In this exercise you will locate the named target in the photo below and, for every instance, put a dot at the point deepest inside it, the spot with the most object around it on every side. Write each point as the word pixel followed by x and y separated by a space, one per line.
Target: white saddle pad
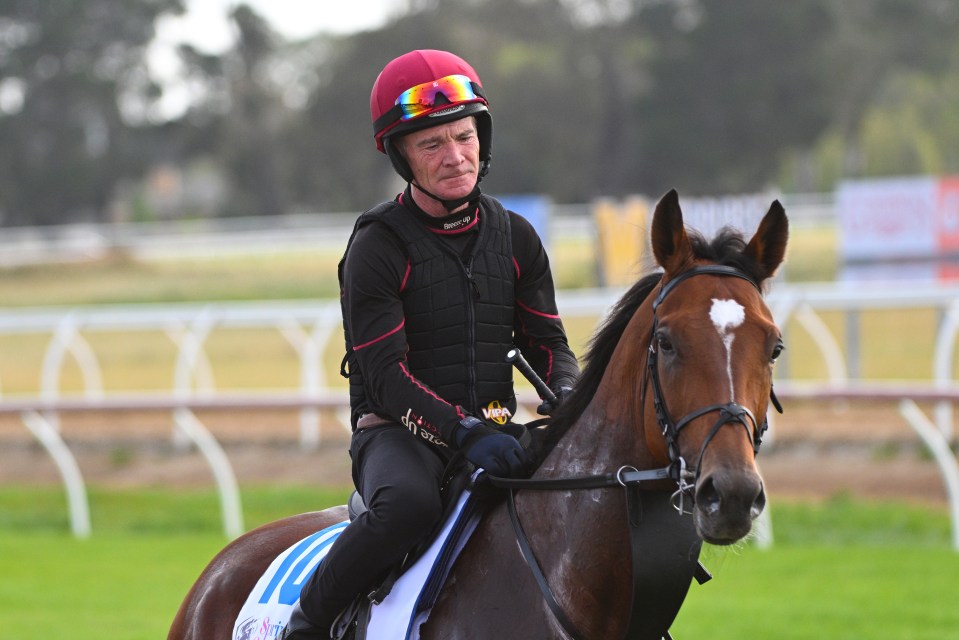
pixel 267 608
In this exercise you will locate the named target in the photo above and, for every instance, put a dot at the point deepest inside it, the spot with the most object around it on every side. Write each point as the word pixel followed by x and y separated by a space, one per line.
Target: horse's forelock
pixel 727 248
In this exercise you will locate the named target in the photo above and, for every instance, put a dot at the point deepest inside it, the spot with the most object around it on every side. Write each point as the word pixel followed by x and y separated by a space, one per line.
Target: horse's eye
pixel 663 343
pixel 777 351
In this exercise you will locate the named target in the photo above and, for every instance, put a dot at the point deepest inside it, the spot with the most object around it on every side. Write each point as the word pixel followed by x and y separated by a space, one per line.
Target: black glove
pixel 548 407
pixel 500 454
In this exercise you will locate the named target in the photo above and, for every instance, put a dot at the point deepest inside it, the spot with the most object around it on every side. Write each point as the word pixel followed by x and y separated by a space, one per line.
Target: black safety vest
pixel 459 314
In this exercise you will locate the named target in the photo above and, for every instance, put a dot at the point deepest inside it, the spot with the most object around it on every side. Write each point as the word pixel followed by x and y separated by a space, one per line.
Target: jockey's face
pixel 444 160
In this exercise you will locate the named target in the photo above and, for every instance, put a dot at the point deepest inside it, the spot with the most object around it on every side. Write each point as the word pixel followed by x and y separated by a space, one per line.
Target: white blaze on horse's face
pixel 726 316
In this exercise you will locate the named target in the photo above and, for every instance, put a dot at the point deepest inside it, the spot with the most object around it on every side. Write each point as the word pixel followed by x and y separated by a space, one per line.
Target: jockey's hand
pixel 548 407
pixel 500 454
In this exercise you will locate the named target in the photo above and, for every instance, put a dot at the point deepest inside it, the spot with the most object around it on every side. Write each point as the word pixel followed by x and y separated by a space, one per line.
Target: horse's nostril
pixel 707 497
pixel 744 494
pixel 759 503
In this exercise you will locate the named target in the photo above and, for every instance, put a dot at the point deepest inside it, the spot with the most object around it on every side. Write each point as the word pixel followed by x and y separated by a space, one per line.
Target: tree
pixel 731 88
pixel 249 142
pixel 67 70
pixel 878 45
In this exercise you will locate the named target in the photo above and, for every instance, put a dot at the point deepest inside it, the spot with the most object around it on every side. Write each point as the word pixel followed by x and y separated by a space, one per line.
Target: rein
pixel 631 478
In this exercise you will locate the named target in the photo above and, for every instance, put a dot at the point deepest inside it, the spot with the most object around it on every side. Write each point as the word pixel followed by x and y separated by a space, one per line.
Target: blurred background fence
pixel 189 358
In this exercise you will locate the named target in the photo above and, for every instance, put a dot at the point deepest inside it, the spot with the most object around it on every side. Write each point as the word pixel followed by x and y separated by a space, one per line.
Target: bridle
pixel 631 479
pixel 729 412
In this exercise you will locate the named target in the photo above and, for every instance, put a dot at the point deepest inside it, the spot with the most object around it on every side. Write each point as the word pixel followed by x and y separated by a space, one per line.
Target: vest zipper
pixel 472 294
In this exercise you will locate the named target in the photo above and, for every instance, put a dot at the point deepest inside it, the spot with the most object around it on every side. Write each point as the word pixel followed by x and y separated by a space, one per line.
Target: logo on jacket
pixel 497 413
pixel 458 224
pixel 420 428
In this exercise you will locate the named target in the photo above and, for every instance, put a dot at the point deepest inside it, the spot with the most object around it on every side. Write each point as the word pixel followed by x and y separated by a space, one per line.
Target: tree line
pixel 589 98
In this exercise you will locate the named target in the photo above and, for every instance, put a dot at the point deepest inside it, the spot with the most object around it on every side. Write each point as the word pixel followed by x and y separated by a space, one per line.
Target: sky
pixel 205 23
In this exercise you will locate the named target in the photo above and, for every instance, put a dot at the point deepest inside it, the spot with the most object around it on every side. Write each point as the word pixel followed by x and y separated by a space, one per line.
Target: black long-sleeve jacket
pixel 412 345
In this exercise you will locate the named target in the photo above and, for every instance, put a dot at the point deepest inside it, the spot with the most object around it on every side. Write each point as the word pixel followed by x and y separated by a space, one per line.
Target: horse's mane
pixel 726 248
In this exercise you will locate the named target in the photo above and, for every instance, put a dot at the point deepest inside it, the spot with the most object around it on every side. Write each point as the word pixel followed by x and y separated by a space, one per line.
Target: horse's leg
pixel 210 609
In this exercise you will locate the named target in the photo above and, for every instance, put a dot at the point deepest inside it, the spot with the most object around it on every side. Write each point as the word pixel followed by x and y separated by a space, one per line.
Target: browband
pixel 709 269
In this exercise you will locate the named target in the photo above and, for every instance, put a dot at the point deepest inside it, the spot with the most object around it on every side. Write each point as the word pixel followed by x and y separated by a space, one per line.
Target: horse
pixel 672 383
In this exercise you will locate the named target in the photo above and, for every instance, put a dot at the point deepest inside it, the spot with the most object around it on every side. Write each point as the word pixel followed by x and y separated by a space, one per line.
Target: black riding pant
pixel 399 477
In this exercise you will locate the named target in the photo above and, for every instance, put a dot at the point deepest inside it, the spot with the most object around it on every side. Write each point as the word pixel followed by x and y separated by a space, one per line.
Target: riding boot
pixel 302 628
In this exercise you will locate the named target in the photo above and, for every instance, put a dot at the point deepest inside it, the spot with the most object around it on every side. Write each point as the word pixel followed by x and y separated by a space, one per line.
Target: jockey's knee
pixel 406 516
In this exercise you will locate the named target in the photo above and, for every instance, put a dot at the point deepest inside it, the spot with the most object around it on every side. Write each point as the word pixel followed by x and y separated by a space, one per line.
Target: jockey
pixel 436 286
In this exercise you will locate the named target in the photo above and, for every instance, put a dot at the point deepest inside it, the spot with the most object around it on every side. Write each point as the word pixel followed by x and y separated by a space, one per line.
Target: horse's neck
pixel 611 432
pixel 608 435
pixel 589 552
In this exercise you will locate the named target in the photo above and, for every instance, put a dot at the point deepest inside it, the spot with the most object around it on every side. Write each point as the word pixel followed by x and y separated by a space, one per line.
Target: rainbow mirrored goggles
pixel 425 97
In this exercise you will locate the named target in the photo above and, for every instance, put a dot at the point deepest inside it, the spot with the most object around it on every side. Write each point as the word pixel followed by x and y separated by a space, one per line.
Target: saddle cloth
pixel 268 606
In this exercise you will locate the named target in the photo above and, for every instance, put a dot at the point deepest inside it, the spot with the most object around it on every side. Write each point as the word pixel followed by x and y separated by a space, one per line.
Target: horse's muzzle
pixel 727 502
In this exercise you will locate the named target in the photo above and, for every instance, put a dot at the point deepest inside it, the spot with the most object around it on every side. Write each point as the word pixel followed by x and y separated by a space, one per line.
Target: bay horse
pixel 670 391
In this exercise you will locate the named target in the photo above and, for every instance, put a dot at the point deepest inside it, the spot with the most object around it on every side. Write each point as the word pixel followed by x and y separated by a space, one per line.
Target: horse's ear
pixel 768 246
pixel 668 236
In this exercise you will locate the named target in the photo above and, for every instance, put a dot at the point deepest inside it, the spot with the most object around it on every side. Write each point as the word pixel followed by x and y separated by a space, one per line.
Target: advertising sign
pixel 947 214
pixel 534 207
pixel 709 215
pixel 888 219
pixel 621 233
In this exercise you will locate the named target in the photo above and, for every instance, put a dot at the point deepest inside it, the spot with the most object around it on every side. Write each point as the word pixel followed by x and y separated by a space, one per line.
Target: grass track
pixel 110 586
pixel 840 593
pixel 841 569
pixel 130 587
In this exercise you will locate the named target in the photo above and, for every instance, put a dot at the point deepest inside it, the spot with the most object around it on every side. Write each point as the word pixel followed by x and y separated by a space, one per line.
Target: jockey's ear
pixel 768 246
pixel 668 236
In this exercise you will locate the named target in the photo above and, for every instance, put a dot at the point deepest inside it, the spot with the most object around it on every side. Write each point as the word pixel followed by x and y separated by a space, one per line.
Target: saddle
pixel 353 622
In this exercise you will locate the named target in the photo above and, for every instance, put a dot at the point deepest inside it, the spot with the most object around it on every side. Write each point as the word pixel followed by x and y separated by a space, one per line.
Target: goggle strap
pixel 388 118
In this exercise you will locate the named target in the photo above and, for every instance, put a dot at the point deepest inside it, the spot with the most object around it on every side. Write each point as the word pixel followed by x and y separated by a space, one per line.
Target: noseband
pixel 729 413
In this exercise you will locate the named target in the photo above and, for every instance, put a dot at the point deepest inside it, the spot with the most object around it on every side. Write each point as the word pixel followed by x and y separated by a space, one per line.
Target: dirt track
pixel 814 452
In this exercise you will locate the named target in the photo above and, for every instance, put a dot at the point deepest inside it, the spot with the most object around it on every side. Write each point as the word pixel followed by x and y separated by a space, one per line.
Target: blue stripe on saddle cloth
pixel 267 608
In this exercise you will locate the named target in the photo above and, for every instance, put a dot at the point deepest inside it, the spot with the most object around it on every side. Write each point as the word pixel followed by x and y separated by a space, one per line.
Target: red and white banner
pixel 888 219
pixel 899 228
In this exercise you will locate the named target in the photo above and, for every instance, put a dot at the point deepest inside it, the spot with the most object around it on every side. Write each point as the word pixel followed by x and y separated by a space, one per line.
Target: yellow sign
pixel 622 239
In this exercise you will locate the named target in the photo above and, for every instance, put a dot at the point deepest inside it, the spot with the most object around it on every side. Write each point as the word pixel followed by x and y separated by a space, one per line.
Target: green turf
pixel 838 569
pixel 155 511
pixel 836 592
pixel 128 578
pixel 109 586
